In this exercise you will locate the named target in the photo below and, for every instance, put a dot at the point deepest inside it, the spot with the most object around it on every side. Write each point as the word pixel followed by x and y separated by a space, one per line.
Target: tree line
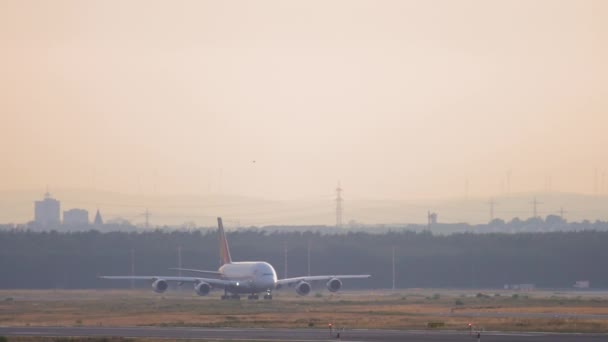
pixel 51 259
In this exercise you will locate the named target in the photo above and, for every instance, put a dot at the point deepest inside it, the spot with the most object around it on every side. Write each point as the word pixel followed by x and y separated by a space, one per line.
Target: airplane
pixel 244 277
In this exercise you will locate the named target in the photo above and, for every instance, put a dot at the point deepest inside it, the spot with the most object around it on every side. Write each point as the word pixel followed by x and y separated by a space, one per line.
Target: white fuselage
pixel 252 276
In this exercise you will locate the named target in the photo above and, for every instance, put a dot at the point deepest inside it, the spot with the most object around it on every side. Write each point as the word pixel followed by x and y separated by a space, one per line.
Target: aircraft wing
pixel 291 281
pixel 221 283
pixel 216 273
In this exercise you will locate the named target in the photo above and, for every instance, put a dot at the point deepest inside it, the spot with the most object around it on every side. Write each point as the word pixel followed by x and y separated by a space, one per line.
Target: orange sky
pixel 396 99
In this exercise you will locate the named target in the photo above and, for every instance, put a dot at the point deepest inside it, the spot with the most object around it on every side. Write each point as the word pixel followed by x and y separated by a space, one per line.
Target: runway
pixel 303 335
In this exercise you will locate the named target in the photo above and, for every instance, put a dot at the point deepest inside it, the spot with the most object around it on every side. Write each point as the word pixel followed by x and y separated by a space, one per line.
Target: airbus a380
pixel 245 277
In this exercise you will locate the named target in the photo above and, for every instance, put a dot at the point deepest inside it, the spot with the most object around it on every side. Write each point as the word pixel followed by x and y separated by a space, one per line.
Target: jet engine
pixel 334 284
pixel 202 289
pixel 303 288
pixel 160 285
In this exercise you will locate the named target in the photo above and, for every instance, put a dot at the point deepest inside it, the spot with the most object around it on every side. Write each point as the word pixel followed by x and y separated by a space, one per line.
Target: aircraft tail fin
pixel 224 249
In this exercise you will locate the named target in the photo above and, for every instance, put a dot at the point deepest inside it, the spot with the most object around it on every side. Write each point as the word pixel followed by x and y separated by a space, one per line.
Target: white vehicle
pixel 251 277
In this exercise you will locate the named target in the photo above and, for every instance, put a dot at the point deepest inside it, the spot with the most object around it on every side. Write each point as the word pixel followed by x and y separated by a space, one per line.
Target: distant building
pixel 76 217
pixel 47 212
pixel 98 219
pixel 520 287
pixel 582 284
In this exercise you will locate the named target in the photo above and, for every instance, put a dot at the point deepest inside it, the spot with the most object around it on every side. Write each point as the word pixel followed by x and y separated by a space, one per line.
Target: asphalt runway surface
pixel 252 334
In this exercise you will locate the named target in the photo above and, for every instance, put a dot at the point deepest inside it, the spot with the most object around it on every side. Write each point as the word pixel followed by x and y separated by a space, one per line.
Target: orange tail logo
pixel 224 250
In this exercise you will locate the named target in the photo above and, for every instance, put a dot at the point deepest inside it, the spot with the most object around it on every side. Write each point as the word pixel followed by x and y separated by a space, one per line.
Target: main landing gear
pixel 253 296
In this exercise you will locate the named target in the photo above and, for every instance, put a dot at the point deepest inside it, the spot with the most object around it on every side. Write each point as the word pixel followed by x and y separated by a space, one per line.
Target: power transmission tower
pixel 431 219
pixel 147 216
pixel 535 204
pixel 491 203
pixel 339 201
pixel 562 212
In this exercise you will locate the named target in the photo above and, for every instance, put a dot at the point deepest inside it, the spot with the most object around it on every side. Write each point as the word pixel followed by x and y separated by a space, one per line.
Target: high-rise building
pixel 47 212
pixel 98 219
pixel 76 217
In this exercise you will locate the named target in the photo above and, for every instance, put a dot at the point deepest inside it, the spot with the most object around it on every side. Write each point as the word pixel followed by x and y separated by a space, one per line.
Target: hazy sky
pixel 396 99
